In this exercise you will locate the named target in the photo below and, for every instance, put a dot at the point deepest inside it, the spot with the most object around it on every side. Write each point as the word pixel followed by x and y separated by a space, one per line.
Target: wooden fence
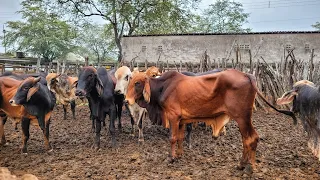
pixel 273 78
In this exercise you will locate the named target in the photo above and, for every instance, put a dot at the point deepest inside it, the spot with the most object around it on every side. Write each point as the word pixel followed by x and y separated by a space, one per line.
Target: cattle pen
pixel 282 152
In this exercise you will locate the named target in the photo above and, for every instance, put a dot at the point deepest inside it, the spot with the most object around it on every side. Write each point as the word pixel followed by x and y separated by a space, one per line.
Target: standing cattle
pixel 184 99
pixel 21 77
pixel 216 130
pixel 98 87
pixel 63 87
pixel 306 103
pixel 138 114
pixel 27 100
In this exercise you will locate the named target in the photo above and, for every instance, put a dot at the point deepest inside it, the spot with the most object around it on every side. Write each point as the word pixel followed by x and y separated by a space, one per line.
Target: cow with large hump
pixel 305 96
pixel 29 101
pixel 229 94
pixel 63 87
pixel 98 87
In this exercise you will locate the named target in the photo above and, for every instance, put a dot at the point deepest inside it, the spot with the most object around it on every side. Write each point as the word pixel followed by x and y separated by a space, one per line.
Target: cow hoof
pixel 132 134
pixel 50 150
pixel 214 137
pixel 171 159
pixel 141 140
pixel 248 169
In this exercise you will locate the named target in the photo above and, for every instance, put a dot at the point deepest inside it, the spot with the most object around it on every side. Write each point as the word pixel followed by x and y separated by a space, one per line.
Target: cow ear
pixel 147 91
pixel 99 86
pixel 287 97
pixel 31 91
pixel 74 84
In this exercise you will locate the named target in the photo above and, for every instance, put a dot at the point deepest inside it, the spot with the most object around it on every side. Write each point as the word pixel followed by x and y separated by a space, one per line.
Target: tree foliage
pixel 133 16
pixel 316 26
pixel 40 33
pixel 224 16
pixel 97 42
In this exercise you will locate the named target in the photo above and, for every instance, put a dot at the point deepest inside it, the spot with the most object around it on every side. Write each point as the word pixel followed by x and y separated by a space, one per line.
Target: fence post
pixel 38 65
pixel 86 61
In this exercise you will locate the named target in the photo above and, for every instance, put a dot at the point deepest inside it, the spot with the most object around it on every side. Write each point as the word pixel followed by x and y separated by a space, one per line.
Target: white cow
pixel 123 76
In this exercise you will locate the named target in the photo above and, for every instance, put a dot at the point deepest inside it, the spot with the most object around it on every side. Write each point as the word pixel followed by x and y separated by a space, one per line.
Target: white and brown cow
pixel 123 76
pixel 64 88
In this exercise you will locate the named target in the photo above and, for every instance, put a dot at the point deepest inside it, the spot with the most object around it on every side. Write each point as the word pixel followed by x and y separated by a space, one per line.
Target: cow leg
pixel 3 137
pixel 189 129
pixel 93 129
pixel 141 117
pixel 180 139
pixel 112 129
pixel 25 125
pixel 174 129
pixel 119 112
pixel 64 112
pixel 97 129
pixel 250 140
pixel 91 116
pixel 73 109
pixel 131 118
pixel 46 136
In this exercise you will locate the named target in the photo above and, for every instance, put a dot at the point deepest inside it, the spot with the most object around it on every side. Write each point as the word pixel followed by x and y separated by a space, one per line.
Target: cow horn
pixel 37 79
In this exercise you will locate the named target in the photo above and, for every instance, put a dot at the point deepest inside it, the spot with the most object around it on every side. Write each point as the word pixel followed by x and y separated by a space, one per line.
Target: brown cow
pixel 28 101
pixel 184 99
pixel 63 86
pixel 153 71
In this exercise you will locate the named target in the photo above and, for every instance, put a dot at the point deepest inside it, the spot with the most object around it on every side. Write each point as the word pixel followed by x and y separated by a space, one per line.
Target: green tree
pixel 96 41
pixel 316 26
pixel 41 33
pixel 224 16
pixel 132 16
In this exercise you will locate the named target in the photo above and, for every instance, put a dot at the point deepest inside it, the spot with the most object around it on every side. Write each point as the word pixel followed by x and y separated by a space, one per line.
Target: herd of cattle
pixel 171 99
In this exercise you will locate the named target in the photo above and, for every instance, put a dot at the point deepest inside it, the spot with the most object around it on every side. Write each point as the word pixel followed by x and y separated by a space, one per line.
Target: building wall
pixel 190 48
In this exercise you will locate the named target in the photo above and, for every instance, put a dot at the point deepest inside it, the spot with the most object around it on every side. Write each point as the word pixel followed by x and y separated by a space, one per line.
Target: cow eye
pixel 137 83
pixel 126 78
pixel 26 88
pixel 154 75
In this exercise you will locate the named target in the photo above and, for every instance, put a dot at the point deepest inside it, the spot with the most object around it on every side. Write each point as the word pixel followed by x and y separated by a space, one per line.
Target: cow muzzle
pixel 80 93
pixel 118 92
pixel 13 102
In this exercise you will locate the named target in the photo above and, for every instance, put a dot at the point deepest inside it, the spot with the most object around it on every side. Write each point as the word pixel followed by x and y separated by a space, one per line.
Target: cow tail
pixel 286 112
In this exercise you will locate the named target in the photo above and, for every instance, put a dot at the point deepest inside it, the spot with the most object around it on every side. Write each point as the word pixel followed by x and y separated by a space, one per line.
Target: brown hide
pixel 8 87
pixel 63 86
pixel 213 98
pixel 153 71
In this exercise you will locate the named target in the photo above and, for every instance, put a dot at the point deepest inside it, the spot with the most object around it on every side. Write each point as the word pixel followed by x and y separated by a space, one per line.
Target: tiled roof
pixel 243 33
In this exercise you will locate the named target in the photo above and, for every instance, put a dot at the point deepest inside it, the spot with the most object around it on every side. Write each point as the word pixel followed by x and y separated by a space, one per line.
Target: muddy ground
pixel 282 152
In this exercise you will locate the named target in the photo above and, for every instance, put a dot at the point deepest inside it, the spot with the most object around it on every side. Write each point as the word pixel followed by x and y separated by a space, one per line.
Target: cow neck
pixel 41 100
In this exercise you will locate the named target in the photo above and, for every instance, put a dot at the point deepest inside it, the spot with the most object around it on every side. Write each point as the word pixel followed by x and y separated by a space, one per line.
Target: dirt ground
pixel 282 152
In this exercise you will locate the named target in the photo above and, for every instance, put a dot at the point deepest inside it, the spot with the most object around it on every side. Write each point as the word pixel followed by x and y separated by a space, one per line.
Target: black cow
pixel 38 101
pixel 98 87
pixel 306 103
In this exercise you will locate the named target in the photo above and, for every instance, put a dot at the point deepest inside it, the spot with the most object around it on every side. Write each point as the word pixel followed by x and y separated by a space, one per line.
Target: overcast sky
pixel 273 15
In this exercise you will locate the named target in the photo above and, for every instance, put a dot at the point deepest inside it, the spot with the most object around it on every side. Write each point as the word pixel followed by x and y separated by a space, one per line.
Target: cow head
pixel 123 76
pixel 52 80
pixel 289 96
pixel 25 91
pixel 88 80
pixel 138 88
pixel 153 71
